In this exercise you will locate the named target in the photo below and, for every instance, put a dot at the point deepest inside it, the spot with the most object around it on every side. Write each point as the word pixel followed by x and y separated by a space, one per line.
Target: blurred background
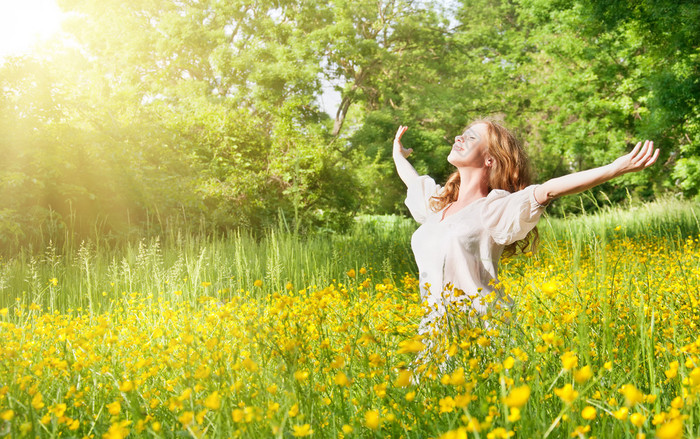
pixel 126 118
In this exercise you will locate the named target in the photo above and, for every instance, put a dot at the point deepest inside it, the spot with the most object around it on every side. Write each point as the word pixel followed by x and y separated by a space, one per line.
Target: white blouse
pixel 464 248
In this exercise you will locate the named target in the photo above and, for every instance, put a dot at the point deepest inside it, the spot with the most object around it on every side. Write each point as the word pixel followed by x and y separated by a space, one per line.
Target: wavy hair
pixel 510 172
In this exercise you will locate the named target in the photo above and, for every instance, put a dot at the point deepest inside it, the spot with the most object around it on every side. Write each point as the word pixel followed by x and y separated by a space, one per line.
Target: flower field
pixel 181 341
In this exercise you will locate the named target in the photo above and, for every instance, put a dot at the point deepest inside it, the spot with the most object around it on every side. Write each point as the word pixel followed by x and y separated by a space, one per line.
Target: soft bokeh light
pixel 25 23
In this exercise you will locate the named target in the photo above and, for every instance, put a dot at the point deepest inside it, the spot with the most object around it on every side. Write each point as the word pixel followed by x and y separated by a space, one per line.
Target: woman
pixel 487 206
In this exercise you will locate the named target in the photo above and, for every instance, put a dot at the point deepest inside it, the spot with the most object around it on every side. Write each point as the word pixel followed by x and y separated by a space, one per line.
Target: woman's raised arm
pixel 639 158
pixel 406 172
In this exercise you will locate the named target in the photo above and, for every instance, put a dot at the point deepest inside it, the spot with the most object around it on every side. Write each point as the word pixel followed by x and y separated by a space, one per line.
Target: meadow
pixel 188 335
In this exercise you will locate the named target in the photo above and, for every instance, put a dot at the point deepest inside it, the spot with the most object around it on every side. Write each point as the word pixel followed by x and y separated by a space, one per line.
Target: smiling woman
pixel 24 24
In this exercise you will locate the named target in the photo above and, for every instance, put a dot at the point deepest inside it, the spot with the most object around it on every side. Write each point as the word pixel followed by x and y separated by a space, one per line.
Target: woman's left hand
pixel 639 158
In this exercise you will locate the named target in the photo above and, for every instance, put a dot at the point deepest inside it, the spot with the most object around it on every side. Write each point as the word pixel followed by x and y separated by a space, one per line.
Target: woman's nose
pixel 458 138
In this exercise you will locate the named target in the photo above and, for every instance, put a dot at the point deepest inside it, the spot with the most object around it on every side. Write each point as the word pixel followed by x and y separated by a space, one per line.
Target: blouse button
pixel 424 275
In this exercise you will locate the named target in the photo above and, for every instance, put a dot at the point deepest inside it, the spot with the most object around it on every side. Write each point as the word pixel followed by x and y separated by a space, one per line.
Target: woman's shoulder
pixel 499 193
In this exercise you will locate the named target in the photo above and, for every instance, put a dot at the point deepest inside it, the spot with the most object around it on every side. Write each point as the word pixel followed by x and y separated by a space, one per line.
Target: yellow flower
pixel 302 430
pixel 117 430
pixel 410 396
pixel 126 386
pixel 58 410
pixel 518 397
pixel 341 379
pixel 213 401
pixel 447 404
pixel 457 377
pixel 38 401
pixel 404 378
pixel 294 410
pixel 670 430
pixel 622 413
pixel 567 393
pixel 380 389
pixel 549 288
pixel 500 433
pixel 347 429
pixel 186 418
pixel 289 286
pixel 581 431
pixel 632 395
pixel 584 374
pixel 672 372
pixel 372 419
pixel 3 312
pixel 114 408
pixel 514 415
pixel 53 281
pixel 508 363
pixel 569 360
pixel 301 375
pixel 238 415
pixel 410 346
pixel 206 284
pixel 7 415
pixel 588 413
pixel 258 283
pixel 351 273
pixel 637 419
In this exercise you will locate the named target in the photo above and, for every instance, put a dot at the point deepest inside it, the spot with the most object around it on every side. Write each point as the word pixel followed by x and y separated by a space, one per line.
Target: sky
pixel 23 23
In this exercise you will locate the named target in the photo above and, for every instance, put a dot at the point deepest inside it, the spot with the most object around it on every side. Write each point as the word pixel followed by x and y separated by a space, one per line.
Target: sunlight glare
pixel 26 23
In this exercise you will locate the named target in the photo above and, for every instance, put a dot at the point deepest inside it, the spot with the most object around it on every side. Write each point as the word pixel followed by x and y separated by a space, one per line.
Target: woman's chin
pixel 455 160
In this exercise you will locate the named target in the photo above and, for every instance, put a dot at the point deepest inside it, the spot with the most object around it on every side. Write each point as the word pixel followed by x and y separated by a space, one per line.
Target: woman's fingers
pixel 402 129
pixel 636 148
pixel 650 150
pixel 653 158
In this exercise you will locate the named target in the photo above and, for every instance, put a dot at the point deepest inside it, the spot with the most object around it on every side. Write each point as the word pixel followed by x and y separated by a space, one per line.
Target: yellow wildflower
pixel 584 374
pixel 637 419
pixel 372 419
pixel 569 360
pixel 302 430
pixel 213 401
pixel 670 430
pixel 404 378
pixel 567 393
pixel 518 397
pixel 341 379
pixel 588 413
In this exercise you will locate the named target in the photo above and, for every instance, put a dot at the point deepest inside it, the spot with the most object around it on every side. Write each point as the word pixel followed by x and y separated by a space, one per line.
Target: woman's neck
pixel 473 184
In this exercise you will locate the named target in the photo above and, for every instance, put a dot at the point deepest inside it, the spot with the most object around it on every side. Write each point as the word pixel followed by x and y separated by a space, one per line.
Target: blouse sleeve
pixel 420 191
pixel 509 217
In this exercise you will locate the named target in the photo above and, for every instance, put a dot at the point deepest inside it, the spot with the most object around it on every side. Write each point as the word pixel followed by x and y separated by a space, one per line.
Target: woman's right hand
pixel 398 147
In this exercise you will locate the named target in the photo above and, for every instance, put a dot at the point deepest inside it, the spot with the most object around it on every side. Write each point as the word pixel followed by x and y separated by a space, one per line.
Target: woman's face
pixel 469 149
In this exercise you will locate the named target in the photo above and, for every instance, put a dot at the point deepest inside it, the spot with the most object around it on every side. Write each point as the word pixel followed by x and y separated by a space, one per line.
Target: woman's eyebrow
pixel 471 132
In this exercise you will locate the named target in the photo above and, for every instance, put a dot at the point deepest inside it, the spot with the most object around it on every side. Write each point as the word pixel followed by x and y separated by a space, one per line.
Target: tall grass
pixel 90 273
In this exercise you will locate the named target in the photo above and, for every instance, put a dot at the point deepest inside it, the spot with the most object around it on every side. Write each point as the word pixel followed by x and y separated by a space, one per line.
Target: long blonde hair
pixel 510 172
